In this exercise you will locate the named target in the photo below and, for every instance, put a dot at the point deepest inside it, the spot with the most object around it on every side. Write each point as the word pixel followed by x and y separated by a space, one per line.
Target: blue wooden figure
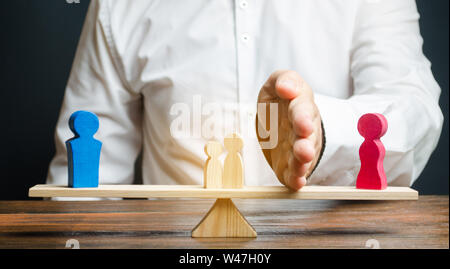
pixel 83 150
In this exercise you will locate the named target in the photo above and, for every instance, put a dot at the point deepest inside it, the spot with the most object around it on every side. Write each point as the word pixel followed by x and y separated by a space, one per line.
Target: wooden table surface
pixel 279 223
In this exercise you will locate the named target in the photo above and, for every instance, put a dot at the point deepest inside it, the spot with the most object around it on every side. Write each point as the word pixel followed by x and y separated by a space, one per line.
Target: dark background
pixel 39 39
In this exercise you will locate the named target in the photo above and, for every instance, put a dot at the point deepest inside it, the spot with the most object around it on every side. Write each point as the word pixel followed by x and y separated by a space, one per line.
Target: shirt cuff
pixel 340 122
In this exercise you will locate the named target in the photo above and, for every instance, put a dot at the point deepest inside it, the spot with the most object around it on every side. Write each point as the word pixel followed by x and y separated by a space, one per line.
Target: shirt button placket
pixel 245 31
pixel 243 4
pixel 243 47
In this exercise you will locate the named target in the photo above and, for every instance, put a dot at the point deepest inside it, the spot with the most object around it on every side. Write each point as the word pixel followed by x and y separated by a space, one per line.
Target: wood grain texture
pixel 223 220
pixel 279 223
pixel 212 171
pixel 233 167
pixel 248 192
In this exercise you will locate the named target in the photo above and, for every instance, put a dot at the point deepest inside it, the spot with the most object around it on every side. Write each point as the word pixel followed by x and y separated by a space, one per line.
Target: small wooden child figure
pixel 224 219
pixel 213 168
pixel 372 126
pixel 233 176
pixel 83 150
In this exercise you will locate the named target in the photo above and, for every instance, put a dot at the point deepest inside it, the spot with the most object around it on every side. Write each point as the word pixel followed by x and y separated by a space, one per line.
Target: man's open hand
pixel 299 128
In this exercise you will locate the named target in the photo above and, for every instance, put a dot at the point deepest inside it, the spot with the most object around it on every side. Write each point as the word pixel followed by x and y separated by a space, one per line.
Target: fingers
pixel 299 163
pixel 283 84
pixel 288 85
pixel 301 115
pixel 296 183
pixel 303 150
pixel 299 126
pixel 294 177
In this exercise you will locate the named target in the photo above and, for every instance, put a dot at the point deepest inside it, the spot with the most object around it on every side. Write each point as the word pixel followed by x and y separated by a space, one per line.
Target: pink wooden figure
pixel 372 126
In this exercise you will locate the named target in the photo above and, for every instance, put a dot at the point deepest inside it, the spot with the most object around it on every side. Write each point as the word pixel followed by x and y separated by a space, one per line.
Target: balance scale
pixel 224 219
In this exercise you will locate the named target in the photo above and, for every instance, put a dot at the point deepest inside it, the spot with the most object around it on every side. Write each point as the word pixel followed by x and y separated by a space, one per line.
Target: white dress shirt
pixel 140 63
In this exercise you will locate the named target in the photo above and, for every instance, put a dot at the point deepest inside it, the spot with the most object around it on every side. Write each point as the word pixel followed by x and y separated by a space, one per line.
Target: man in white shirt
pixel 146 67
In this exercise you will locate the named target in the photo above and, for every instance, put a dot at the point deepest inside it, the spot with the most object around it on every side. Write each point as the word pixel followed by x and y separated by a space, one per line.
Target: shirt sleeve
pixel 391 76
pixel 97 84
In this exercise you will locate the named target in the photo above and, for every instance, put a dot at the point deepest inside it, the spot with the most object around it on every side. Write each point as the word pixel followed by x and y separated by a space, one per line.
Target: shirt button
pixel 245 37
pixel 243 4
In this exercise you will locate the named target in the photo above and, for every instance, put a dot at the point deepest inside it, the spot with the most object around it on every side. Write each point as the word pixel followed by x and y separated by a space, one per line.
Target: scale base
pixel 224 220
